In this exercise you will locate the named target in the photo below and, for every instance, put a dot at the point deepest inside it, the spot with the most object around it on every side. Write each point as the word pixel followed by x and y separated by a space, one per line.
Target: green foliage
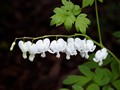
pixel 82 23
pixel 85 70
pixel 68 14
pixel 116 84
pixel 86 3
pixel 117 35
pixel 93 77
pixel 76 87
pixel 93 87
pixel 107 87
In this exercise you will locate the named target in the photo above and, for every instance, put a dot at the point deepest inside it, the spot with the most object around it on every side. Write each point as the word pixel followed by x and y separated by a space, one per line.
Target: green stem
pixel 98 24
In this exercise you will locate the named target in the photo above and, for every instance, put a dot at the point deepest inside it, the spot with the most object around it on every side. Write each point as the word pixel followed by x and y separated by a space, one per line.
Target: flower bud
pixel 12 46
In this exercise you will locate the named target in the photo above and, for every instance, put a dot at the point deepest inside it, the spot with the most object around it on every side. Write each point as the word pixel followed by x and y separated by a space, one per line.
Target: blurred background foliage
pixel 32 18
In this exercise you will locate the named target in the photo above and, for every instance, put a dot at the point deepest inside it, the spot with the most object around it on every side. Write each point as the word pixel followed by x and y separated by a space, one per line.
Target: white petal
pixel 100 63
pixel 46 42
pixel 31 57
pixel 70 40
pixel 61 45
pixel 54 46
pixel 58 55
pixel 43 55
pixel 24 55
pixel 21 45
pixel 33 49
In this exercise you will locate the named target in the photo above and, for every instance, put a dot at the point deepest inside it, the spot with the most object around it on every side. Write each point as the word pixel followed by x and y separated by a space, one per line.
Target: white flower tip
pixel 24 55
pixel 43 55
pixel 12 46
pixel 68 57
pixel 31 57
pixel 58 55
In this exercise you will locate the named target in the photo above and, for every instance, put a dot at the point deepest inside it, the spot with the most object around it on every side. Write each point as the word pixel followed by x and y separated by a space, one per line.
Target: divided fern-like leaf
pixel 82 23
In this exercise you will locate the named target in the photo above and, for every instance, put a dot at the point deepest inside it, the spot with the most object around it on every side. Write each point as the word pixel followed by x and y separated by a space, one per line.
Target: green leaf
pixel 116 84
pixel 83 80
pixel 107 87
pixel 82 23
pixel 115 69
pixel 68 4
pixel 85 70
pixel 102 76
pixel 116 34
pixel 91 64
pixel 76 10
pixel 93 87
pixel 58 10
pixel 72 79
pixel 100 1
pixel 57 19
pixel 69 22
pixel 86 3
pixel 76 87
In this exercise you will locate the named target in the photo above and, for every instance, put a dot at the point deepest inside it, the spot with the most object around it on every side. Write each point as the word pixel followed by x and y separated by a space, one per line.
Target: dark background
pixel 20 18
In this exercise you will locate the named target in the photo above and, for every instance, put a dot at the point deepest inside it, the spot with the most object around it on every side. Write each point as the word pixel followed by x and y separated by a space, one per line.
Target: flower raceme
pixel 69 47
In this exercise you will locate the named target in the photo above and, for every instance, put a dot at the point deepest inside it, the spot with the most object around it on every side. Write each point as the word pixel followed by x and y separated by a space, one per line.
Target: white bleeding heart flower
pixel 84 46
pixel 24 48
pixel 70 48
pixel 43 46
pixel 80 44
pixel 90 45
pixel 58 46
pixel 100 55
pixel 33 49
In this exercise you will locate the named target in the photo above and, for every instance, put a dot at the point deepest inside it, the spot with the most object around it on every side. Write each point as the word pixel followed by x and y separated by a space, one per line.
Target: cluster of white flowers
pixel 70 47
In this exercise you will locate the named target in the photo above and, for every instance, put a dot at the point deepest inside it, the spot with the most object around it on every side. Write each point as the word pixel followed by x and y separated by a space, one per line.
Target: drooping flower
pixel 84 46
pixel 70 48
pixel 24 48
pixel 43 46
pixel 58 46
pixel 100 55
pixel 32 49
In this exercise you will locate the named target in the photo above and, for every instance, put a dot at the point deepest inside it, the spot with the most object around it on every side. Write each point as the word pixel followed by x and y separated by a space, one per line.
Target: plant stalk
pixel 98 24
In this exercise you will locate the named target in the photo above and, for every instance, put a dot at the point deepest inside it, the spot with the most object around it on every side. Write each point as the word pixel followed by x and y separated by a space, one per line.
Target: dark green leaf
pixel 102 76
pixel 72 79
pixel 85 70
pixel 107 88
pixel 100 1
pixel 115 69
pixel 76 87
pixel 83 80
pixel 91 64
pixel 86 3
pixel 82 23
pixel 98 76
pixel 116 34
pixel 93 87
pixel 116 84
